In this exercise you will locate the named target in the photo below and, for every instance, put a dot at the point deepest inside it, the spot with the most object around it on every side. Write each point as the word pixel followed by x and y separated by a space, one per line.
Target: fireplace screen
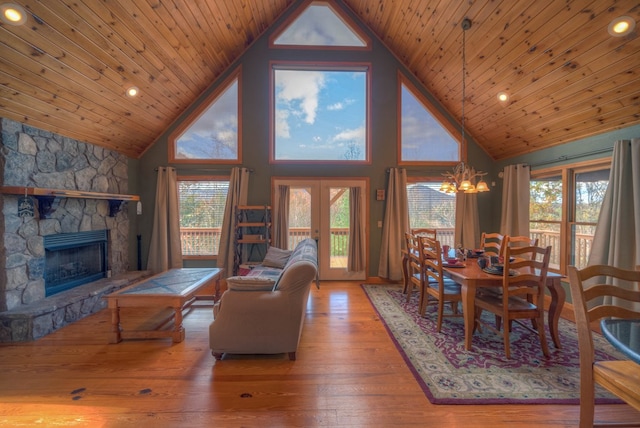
pixel 73 259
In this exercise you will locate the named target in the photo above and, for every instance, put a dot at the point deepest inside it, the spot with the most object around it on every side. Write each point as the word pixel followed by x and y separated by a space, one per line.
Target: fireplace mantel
pixel 47 196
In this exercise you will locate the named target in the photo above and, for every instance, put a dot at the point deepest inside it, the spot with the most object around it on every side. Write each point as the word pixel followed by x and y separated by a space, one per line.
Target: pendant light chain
pixel 464 72
pixel 466 24
pixel 463 176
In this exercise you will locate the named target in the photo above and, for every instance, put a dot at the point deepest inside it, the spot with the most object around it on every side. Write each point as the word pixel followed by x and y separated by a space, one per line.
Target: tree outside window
pixel 564 209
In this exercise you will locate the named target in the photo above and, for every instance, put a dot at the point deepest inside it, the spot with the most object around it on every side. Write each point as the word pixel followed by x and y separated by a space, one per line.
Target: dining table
pixel 471 277
pixel 624 335
pixel 622 377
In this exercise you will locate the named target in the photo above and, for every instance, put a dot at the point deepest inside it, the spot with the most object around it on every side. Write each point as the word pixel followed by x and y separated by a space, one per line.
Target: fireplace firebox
pixel 73 259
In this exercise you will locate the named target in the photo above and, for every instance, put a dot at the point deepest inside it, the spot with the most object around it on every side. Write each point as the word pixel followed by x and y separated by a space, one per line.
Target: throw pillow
pixel 250 283
pixel 276 257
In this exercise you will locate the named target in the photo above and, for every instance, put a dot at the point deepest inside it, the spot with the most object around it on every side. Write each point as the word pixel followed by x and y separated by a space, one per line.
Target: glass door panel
pixel 339 226
pixel 320 209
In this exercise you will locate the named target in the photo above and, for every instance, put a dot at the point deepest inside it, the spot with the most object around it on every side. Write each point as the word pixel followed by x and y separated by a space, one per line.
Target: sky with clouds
pixel 423 138
pixel 320 115
pixel 318 25
pixel 214 135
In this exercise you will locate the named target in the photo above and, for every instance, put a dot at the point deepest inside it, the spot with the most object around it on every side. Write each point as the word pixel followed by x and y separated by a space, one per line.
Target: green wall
pixel 255 140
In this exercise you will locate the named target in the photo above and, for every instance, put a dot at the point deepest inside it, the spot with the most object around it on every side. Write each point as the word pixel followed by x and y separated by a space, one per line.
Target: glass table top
pixel 173 281
pixel 624 334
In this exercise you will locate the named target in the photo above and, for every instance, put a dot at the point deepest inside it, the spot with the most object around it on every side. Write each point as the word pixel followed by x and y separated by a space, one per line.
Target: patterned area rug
pixel 448 374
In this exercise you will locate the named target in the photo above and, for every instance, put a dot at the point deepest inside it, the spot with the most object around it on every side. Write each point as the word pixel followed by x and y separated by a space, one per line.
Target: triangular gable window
pixel 425 135
pixel 211 133
pixel 320 24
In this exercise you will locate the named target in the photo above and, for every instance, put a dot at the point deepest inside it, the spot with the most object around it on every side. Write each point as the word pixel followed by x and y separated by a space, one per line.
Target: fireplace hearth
pixel 73 259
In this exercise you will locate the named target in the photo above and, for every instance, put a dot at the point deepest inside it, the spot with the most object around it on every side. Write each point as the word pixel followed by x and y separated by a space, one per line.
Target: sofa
pixel 263 312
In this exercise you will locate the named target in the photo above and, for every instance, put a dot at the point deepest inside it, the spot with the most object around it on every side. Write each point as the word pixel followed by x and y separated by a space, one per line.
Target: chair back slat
pixel 491 243
pixel 431 233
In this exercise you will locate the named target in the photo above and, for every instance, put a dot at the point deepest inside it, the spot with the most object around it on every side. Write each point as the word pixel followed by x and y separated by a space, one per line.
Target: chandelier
pixel 463 177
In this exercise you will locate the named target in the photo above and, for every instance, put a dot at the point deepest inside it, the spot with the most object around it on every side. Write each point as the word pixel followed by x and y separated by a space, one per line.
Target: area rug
pixel 448 374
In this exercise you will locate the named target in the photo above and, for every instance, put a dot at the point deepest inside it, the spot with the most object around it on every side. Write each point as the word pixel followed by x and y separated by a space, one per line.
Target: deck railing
pixel 198 241
pixel 583 243
pixel 339 239
pixel 202 241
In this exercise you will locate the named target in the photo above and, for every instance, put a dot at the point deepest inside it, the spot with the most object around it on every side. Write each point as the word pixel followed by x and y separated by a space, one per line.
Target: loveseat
pixel 263 312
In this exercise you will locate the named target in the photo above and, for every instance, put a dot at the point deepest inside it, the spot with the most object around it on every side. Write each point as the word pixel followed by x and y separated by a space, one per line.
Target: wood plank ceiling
pixel 66 70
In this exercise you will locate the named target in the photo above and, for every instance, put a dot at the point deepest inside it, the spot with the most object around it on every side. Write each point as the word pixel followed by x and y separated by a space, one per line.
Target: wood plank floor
pixel 348 374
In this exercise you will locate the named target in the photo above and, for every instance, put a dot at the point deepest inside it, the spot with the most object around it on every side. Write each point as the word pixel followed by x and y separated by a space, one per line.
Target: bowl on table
pixel 452 260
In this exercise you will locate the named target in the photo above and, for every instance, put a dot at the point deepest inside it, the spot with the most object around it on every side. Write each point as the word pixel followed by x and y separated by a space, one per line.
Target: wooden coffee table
pixel 174 289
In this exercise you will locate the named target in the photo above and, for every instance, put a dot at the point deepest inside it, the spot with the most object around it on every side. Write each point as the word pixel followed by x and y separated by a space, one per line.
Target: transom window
pixel 202 201
pixel 320 113
pixel 321 25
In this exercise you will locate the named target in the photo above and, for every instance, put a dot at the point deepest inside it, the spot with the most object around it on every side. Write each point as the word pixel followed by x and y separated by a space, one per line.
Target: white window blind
pixel 201 214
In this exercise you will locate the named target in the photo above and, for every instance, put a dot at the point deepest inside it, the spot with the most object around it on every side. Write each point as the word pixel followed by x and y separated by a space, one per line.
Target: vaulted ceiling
pixel 67 69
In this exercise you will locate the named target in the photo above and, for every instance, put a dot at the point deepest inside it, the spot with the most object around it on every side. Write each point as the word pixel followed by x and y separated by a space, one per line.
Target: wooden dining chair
pixel 522 294
pixel 435 287
pixel 491 243
pixel 595 296
pixel 411 241
pixel 414 270
pixel 511 241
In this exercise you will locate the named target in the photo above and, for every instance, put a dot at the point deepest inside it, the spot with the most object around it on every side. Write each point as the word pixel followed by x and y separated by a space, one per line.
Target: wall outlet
pixel 380 223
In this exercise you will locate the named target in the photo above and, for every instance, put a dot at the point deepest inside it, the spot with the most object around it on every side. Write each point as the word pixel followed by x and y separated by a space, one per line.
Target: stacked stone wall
pixel 34 158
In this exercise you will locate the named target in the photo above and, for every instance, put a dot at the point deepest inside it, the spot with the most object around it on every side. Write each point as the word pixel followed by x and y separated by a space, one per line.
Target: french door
pixel 320 208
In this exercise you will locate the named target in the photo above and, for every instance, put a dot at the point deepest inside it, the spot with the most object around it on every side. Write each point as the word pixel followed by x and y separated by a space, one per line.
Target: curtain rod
pixel 209 170
pixel 569 157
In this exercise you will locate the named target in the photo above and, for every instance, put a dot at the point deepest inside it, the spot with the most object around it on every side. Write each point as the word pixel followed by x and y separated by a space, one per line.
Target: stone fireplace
pixel 34 158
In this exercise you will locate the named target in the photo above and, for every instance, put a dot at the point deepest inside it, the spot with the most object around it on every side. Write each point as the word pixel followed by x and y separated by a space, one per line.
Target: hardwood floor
pixel 348 374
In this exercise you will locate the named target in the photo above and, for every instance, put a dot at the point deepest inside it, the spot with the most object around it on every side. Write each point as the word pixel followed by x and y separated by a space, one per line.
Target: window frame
pixel 201 107
pixel 568 174
pixel 224 178
pixel 437 115
pixel 319 66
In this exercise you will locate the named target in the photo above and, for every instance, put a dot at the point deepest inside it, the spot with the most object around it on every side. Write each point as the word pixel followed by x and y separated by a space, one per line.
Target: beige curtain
pixel 237 195
pixel 394 226
pixel 515 200
pixel 616 241
pixel 281 217
pixel 467 231
pixel 356 259
pixel 165 251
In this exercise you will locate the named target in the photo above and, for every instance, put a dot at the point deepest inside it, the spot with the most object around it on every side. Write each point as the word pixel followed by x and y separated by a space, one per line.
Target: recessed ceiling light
pixel 503 97
pixel 621 26
pixel 132 91
pixel 13 14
